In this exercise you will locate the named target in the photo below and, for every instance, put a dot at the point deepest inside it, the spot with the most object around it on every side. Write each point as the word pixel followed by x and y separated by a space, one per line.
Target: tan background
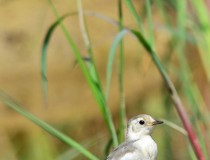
pixel 72 108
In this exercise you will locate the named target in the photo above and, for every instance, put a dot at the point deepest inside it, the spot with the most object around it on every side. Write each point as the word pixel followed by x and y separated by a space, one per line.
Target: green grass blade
pixel 154 57
pixel 162 7
pixel 174 96
pixel 175 127
pixel 94 75
pixel 151 27
pixel 192 154
pixel 135 14
pixel 45 45
pixel 94 86
pixel 172 92
pixel 62 137
pixel 112 54
pixel 122 114
pixel 88 44
pixel 203 16
pixel 72 154
pixel 189 87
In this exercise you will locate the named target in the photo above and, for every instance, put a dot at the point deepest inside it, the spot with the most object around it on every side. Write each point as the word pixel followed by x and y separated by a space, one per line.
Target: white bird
pixel 138 144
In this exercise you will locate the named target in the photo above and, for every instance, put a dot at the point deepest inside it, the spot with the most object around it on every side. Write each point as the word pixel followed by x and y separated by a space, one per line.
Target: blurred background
pixel 71 106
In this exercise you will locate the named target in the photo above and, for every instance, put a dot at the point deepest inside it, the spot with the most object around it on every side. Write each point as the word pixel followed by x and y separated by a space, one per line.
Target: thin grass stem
pixel 51 130
pixel 120 77
pixel 174 96
pixel 92 81
pixel 134 13
pixel 151 26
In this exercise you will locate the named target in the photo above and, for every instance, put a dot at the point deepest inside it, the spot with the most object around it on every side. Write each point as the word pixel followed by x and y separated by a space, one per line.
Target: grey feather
pixel 126 147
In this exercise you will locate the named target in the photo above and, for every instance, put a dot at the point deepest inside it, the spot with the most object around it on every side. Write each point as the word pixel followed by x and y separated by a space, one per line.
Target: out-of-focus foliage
pixel 178 32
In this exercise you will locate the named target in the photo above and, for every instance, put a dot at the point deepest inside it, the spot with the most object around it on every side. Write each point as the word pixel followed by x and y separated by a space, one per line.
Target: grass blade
pixel 189 87
pixel 151 27
pixel 174 96
pixel 122 115
pixel 62 137
pixel 175 127
pixel 135 14
pixel 172 92
pixel 88 45
pixel 93 83
pixel 111 57
pixel 45 45
pixel 203 16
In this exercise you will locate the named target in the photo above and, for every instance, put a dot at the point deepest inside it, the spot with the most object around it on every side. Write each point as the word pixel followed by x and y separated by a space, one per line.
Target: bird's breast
pixel 147 147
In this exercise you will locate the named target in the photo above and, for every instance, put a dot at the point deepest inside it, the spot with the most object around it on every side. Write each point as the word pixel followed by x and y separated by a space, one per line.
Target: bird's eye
pixel 141 122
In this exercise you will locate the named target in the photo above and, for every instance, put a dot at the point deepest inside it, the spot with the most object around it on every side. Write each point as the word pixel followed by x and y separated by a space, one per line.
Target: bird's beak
pixel 157 122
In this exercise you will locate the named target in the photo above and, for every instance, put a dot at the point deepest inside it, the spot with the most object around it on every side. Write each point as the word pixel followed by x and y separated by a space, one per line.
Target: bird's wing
pixel 125 151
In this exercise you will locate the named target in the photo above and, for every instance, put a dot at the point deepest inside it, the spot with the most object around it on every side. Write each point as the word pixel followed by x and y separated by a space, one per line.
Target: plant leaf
pixel 45 45
pixel 111 57
pixel 9 102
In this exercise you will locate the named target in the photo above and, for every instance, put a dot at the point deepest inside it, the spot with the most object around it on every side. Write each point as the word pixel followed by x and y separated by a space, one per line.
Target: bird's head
pixel 141 125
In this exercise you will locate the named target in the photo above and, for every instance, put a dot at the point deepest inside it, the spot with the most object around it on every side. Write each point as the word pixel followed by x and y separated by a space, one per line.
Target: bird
pixel 138 145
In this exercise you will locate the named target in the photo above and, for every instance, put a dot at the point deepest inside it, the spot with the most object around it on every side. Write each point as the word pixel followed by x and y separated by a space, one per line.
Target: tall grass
pixel 92 78
pixel 51 130
pixel 146 38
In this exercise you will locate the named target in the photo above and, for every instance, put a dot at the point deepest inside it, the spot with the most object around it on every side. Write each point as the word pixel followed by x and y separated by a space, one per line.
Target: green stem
pixel 62 137
pixel 120 77
pixel 93 83
pixel 174 96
